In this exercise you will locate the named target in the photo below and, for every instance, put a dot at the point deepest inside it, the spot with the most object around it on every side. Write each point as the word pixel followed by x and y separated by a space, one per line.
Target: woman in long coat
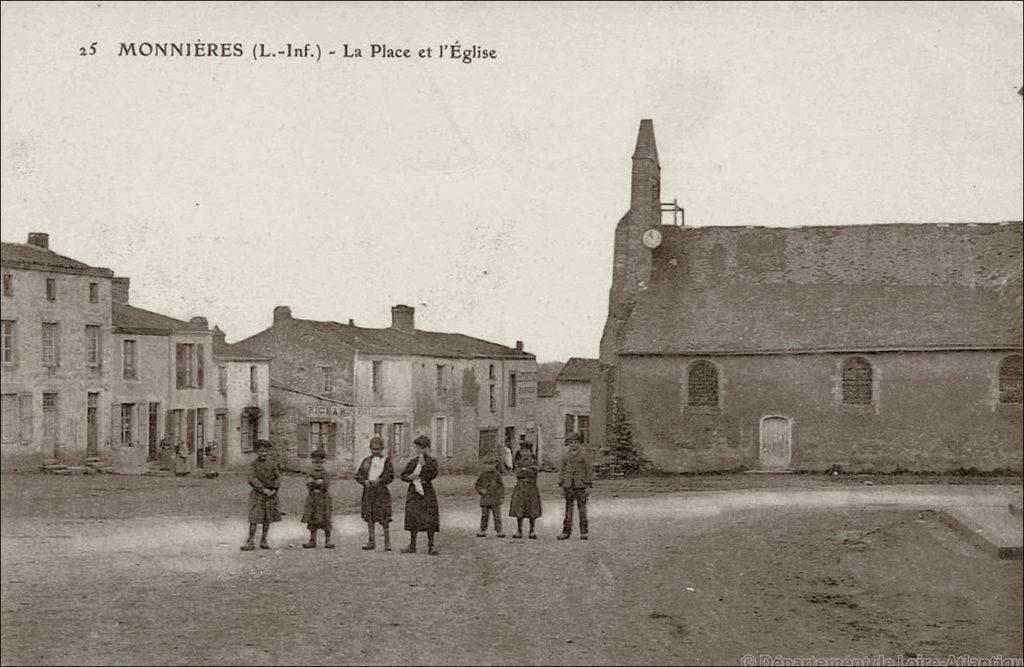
pixel 421 512
pixel 525 503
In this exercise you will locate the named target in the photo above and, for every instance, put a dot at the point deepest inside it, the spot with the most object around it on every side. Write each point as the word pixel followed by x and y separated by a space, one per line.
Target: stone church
pixel 871 347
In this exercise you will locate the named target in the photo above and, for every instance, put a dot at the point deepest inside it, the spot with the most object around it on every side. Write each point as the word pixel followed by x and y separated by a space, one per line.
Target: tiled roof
pixel 743 318
pixel 129 319
pixel 579 369
pixel 387 341
pixel 547 388
pixel 28 256
pixel 234 351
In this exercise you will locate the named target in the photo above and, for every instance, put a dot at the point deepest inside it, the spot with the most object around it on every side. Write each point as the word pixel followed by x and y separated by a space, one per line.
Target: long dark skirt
pixel 318 510
pixel 376 504
pixel 525 502
pixel 421 512
pixel 263 509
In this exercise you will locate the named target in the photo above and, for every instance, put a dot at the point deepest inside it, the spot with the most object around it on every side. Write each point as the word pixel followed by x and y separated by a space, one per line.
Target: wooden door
pixel 153 441
pixel 776 443
pixel 50 435
pixel 488 443
pixel 91 426
pixel 220 434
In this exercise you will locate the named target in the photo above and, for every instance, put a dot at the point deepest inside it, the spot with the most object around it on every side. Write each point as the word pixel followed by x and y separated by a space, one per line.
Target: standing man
pixel 575 478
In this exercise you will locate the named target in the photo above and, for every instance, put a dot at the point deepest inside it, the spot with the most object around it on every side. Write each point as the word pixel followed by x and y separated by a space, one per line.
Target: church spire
pixel 645 199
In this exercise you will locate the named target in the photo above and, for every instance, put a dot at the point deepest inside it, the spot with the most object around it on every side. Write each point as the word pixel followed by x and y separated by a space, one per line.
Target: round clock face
pixel 652 238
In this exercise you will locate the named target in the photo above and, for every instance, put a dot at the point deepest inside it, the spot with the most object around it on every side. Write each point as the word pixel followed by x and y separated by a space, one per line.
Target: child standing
pixel 525 497
pixel 492 494
pixel 421 513
pixel 575 479
pixel 319 507
pixel 265 479
pixel 181 463
pixel 374 474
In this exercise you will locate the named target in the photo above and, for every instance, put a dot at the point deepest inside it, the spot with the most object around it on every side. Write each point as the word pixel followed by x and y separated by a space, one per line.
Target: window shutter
pixel 179 369
pixel 169 425
pixel 332 440
pixel 200 364
pixel 56 345
pixel 141 423
pixel 115 424
pixel 302 437
pixel 570 424
pixel 26 417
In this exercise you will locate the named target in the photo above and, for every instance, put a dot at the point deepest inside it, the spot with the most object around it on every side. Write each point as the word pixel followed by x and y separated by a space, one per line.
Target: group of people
pixel 376 472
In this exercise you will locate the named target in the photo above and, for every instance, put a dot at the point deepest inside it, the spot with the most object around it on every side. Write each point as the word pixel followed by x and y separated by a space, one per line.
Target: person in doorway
pixel 319 509
pixel 181 459
pixel 506 457
pixel 492 495
pixel 210 460
pixel 421 512
pixel 374 474
pixel 525 496
pixel 575 478
pixel 265 480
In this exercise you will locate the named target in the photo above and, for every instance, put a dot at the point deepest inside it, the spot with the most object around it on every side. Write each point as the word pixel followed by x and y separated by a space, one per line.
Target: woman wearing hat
pixel 525 496
pixel 265 479
pixel 421 513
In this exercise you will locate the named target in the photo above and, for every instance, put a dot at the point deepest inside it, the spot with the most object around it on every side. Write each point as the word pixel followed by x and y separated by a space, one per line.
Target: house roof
pixel 129 319
pixel 387 341
pixel 234 351
pixel 579 369
pixel 28 256
pixel 736 318
pixel 547 388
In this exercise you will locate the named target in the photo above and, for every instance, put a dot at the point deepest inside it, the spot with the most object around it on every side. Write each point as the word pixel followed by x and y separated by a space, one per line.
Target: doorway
pixel 92 448
pixel 488 442
pixel 154 415
pixel 776 449
pixel 220 436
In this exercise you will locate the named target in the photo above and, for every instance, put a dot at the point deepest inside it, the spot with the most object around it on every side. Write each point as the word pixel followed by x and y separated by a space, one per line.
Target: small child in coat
pixel 374 474
pixel 319 505
pixel 265 479
pixel 525 496
pixel 492 495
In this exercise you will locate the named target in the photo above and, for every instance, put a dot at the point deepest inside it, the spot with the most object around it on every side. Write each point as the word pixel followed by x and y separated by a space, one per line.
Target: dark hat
pixel 421 441
pixel 575 436
pixel 376 440
pixel 263 444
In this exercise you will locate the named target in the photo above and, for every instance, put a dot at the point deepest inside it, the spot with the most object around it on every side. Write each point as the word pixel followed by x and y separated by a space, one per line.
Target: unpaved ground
pixel 698 586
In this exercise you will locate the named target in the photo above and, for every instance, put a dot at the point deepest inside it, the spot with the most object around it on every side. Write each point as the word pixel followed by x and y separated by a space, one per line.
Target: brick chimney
pixel 218 335
pixel 519 347
pixel 282 314
pixel 403 318
pixel 39 239
pixel 351 322
pixel 120 289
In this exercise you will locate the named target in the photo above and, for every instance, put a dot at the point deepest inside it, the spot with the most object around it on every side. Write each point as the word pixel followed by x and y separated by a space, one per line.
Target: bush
pixel 621 456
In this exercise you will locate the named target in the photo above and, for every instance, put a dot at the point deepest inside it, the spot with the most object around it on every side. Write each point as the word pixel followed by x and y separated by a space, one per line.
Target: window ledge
pixel 702 410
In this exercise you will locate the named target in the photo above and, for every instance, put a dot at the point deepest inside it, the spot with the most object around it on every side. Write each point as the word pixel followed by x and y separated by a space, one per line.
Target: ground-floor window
pixel 50 417
pixel 396 439
pixel 11 424
pixel 579 423
pixel 127 410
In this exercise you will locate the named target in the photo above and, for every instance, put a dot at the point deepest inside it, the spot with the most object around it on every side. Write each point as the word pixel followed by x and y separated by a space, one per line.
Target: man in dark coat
pixel 575 478
pixel 421 512
pixel 492 495
pixel 265 479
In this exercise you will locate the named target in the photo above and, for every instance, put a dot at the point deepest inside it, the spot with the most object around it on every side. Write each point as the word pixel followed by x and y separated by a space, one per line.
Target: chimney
pixel 403 318
pixel 351 322
pixel 645 196
pixel 119 289
pixel 199 321
pixel 218 335
pixel 282 314
pixel 39 239
pixel 519 347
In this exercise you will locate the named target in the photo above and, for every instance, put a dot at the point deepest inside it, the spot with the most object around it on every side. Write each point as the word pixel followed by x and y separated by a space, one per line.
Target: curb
pixel 976 536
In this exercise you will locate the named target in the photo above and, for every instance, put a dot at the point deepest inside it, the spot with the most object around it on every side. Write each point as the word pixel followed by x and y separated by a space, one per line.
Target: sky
pixel 484 194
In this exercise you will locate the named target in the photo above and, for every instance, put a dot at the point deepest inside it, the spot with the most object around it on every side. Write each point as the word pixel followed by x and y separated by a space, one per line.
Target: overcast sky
pixel 486 194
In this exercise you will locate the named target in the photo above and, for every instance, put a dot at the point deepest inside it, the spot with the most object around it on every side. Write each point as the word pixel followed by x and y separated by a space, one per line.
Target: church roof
pixel 739 290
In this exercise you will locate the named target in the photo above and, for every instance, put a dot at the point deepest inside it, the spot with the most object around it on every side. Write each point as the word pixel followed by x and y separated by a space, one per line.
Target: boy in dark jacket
pixel 575 478
pixel 492 494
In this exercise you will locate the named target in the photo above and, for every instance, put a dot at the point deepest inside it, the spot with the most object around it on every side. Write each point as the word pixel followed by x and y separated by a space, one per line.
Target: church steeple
pixel 645 197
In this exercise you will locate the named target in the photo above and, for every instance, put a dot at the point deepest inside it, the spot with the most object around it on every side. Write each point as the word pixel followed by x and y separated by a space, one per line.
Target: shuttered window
pixel 857 381
pixel 702 385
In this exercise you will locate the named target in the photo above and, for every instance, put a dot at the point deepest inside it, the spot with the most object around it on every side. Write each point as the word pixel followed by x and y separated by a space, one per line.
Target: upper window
pixel 512 397
pixel 8 341
pixel 51 344
pixel 254 384
pixel 189 365
pixel 93 349
pixel 326 379
pixel 702 385
pixel 1011 370
pixel 94 292
pixel 8 285
pixel 858 388
pixel 377 379
pixel 128 362
pixel 222 379
pixel 51 289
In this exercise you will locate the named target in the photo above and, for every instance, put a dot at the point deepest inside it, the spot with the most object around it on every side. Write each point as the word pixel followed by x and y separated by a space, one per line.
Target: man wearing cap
pixel 575 478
